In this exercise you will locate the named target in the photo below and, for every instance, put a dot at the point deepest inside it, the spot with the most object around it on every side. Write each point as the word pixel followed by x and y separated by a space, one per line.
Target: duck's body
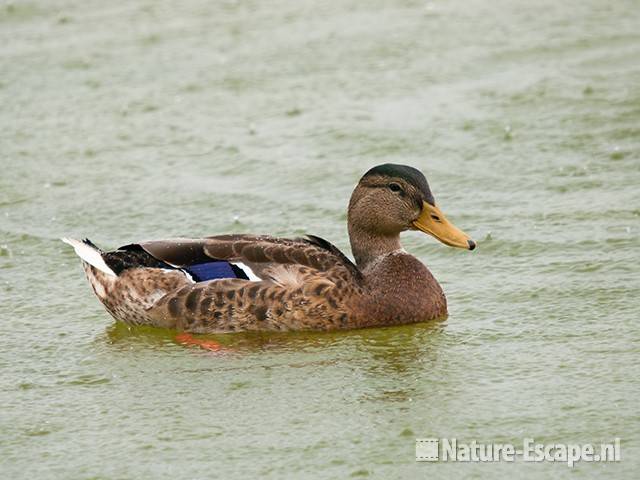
pixel 244 282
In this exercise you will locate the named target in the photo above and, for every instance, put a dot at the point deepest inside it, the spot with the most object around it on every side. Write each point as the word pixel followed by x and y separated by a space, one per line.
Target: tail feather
pixel 90 253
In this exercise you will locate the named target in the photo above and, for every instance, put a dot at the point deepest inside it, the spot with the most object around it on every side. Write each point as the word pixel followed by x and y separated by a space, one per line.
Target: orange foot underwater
pixel 189 340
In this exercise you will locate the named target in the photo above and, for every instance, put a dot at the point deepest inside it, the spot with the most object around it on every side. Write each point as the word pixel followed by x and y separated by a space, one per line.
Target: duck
pixel 244 282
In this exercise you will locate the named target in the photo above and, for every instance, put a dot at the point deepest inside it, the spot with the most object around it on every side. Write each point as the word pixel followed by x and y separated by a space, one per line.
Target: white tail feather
pixel 89 254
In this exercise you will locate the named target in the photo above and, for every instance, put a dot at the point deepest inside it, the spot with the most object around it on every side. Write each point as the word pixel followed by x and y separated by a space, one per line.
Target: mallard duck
pixel 230 283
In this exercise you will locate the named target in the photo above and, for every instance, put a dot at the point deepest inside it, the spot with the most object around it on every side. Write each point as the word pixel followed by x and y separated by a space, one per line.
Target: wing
pixel 302 284
pixel 264 255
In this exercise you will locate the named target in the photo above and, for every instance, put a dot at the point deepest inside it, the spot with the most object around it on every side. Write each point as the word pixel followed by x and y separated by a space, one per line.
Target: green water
pixel 125 121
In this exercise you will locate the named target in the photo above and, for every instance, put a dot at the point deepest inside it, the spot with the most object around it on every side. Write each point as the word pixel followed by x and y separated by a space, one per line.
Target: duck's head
pixel 390 199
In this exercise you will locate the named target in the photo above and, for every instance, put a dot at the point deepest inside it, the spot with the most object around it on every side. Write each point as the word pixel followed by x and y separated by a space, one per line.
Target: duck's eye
pixel 394 187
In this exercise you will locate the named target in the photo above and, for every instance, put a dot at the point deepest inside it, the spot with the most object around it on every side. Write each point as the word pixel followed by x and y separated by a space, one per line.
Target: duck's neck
pixel 400 288
pixel 367 247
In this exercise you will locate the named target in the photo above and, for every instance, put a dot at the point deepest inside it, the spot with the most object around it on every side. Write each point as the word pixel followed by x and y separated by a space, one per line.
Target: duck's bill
pixel 433 222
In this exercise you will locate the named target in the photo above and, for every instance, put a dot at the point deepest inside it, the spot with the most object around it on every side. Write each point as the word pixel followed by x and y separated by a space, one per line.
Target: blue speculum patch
pixel 217 270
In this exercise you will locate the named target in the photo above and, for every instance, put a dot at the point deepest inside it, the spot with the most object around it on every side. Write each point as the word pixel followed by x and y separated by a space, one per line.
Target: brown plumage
pixel 290 284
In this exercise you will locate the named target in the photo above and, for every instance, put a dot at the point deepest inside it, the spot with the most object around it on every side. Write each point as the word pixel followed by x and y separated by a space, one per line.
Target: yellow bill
pixel 433 222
